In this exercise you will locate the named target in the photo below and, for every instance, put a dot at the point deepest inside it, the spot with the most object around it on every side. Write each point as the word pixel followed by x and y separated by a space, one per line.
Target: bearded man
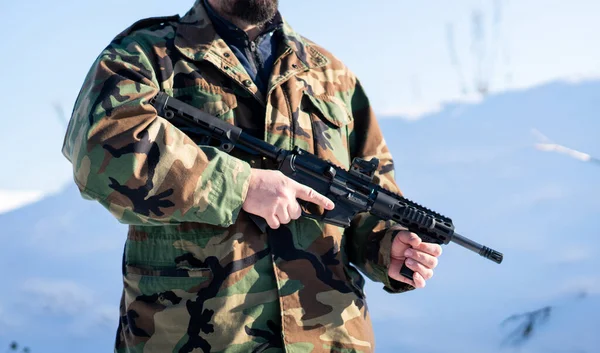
pixel 198 275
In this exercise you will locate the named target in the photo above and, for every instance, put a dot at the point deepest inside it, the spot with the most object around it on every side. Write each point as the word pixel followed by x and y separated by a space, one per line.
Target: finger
pixel 283 215
pixel 272 221
pixel 402 239
pixel 294 210
pixel 432 249
pixel 308 194
pixel 394 272
pixel 419 280
pixel 426 259
pixel 426 273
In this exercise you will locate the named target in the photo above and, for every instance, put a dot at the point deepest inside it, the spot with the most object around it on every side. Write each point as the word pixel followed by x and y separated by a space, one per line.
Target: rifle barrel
pixel 484 251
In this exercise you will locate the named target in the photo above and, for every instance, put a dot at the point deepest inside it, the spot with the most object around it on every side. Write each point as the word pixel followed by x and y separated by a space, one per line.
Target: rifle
pixel 352 191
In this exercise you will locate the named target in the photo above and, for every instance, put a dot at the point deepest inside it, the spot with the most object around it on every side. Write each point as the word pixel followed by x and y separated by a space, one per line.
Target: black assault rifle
pixel 352 191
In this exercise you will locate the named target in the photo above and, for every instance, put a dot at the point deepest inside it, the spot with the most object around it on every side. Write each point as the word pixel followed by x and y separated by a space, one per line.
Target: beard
pixel 254 12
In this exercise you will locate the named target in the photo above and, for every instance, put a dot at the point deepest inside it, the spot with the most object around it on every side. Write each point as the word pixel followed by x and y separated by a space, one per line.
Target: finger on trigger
pixel 308 194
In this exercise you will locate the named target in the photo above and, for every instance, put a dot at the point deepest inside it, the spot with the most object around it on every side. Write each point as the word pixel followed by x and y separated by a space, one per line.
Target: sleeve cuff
pixel 229 190
pixel 385 250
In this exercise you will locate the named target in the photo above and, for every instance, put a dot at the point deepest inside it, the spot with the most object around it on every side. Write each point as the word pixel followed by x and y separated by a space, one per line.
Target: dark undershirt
pixel 256 56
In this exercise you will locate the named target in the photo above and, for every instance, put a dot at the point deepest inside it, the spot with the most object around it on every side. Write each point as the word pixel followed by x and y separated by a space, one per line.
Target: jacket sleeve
pixel 368 239
pixel 137 164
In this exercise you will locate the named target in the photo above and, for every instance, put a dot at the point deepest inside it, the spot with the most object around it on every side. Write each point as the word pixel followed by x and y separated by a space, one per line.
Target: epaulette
pixel 147 22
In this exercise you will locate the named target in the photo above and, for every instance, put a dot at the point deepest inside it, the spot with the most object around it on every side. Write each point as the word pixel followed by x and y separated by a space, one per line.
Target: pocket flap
pixel 332 109
pixel 218 108
pixel 213 100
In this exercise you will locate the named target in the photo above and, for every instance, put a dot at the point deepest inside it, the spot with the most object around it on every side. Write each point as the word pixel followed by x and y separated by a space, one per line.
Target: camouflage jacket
pixel 198 275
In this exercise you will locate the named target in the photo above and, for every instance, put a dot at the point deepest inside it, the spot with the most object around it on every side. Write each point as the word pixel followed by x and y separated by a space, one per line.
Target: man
pixel 198 274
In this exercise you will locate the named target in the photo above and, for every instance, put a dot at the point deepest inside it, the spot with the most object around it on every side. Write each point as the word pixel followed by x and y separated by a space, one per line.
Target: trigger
pixel 310 210
pixel 304 207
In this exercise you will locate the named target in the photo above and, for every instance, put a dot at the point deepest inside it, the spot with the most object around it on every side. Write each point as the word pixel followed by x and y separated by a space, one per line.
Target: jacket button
pixel 247 83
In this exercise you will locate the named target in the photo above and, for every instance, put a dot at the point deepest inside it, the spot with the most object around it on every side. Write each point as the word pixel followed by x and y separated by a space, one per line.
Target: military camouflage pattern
pixel 198 275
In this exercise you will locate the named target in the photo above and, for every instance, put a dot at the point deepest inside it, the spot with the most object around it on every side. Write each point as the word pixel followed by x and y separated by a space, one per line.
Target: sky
pixel 399 50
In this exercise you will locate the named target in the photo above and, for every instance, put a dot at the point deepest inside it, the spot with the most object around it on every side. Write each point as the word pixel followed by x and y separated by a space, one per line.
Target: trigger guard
pixel 303 206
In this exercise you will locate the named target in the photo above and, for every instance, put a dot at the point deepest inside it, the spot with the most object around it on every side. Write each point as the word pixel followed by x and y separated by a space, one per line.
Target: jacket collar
pixel 197 39
pixel 230 32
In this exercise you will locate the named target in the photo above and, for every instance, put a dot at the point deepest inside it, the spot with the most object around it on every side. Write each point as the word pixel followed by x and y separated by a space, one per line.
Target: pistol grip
pixel 260 222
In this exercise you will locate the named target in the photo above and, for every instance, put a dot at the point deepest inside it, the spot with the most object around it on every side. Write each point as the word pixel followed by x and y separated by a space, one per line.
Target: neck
pixel 253 30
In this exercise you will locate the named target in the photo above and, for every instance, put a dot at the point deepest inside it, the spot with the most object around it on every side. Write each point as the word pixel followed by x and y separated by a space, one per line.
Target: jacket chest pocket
pixel 212 99
pixel 330 122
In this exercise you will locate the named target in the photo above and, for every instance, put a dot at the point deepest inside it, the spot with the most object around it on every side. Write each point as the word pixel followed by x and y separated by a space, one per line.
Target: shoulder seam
pixel 147 22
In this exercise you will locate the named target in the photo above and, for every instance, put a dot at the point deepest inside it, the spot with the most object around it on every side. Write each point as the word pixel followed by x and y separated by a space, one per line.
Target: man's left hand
pixel 419 256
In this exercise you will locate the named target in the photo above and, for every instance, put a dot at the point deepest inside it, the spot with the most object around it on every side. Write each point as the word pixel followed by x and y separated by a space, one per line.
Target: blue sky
pixel 399 49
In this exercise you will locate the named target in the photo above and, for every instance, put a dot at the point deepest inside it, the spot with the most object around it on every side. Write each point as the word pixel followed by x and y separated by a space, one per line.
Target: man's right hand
pixel 272 196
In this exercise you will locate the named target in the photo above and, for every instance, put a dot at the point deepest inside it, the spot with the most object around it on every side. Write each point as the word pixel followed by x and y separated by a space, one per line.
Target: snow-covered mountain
pixel 60 257
pixel 477 165
pixel 60 272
